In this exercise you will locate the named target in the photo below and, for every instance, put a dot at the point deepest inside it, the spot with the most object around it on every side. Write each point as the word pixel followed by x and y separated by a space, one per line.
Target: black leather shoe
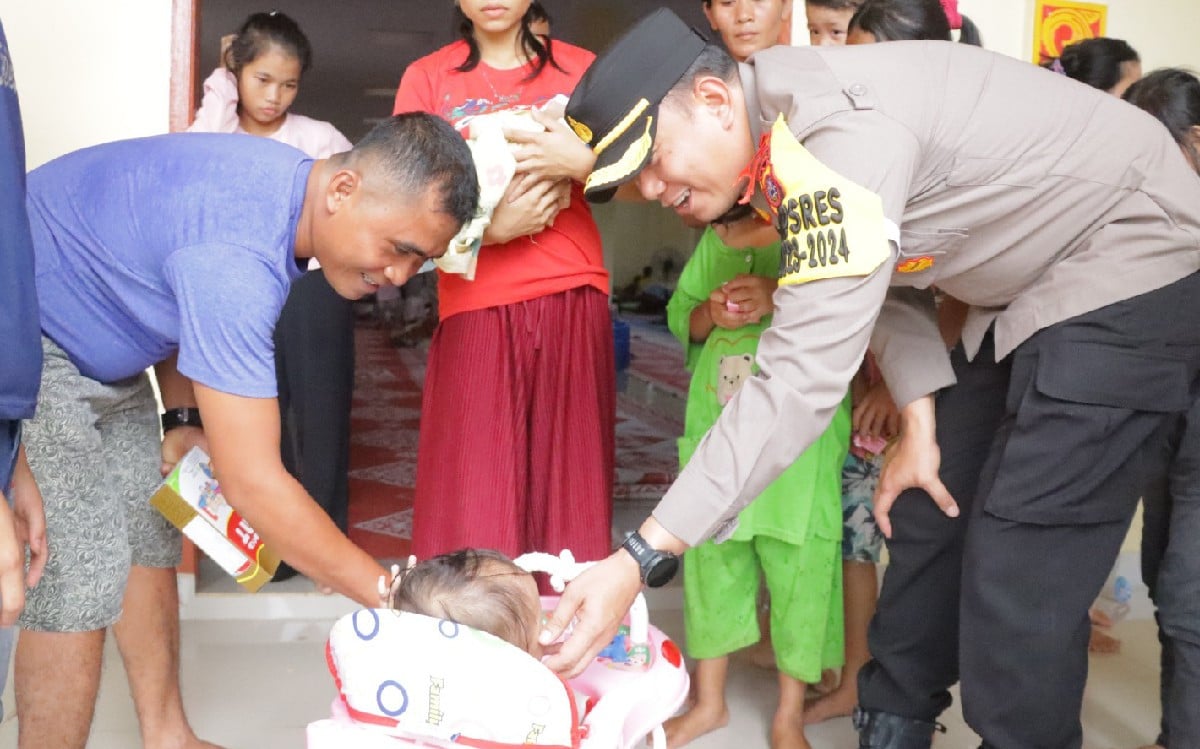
pixel 878 730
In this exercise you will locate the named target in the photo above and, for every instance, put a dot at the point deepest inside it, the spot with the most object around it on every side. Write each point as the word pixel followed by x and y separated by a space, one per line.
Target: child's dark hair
pixel 543 51
pixel 1173 96
pixel 537 12
pixel 1096 62
pixel 831 4
pixel 898 20
pixel 469 587
pixel 968 33
pixel 259 32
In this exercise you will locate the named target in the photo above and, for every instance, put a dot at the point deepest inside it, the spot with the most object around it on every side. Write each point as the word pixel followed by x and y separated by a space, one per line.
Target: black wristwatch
pixel 181 417
pixel 657 567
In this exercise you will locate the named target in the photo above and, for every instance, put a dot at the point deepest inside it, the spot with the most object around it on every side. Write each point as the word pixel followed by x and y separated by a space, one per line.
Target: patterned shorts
pixel 95 451
pixel 861 539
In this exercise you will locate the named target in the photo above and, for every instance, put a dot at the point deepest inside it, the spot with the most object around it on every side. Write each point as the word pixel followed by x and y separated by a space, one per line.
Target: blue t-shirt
pixel 175 241
pixel 21 359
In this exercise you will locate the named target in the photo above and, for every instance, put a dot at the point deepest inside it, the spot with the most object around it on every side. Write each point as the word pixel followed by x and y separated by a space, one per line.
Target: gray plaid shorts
pixel 95 450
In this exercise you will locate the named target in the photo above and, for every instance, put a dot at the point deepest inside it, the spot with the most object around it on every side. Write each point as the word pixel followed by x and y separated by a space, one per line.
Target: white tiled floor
pixel 257 683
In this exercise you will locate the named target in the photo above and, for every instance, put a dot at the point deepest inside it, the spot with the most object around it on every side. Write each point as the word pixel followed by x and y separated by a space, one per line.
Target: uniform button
pixel 858 90
pixel 749 259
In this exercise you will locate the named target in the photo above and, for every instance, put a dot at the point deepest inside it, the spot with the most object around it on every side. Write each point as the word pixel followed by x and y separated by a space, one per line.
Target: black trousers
pixel 314 365
pixel 1046 453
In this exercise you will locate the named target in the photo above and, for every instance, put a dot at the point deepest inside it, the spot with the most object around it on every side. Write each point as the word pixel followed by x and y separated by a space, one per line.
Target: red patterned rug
pixel 385 420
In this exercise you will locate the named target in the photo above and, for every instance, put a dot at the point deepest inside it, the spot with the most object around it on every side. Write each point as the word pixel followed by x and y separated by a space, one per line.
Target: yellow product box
pixel 191 499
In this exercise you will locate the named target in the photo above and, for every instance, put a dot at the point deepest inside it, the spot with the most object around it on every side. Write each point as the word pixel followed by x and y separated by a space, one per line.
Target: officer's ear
pixel 715 95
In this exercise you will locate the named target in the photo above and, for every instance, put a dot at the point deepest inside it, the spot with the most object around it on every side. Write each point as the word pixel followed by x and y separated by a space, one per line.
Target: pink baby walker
pixel 406 680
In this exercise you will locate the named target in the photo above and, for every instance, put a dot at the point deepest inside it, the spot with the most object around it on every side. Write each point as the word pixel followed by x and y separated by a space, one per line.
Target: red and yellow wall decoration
pixel 1057 23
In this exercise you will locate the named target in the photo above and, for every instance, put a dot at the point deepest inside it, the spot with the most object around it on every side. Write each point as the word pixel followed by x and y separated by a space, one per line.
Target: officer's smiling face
pixel 701 146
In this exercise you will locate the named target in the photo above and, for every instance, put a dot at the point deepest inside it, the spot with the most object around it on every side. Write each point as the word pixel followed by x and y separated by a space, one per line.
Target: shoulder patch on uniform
pixel 830 227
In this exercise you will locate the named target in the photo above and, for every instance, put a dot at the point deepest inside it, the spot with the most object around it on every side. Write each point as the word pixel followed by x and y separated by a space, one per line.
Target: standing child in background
pixel 790 535
pixel 518 410
pixel 1108 64
pixel 876 419
pixel 252 92
pixel 899 20
pixel 828 20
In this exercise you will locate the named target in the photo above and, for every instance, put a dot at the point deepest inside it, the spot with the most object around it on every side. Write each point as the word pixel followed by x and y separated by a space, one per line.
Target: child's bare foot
pixel 697 721
pixel 1099 618
pixel 828 683
pixel 837 703
pixel 788 733
pixel 1102 642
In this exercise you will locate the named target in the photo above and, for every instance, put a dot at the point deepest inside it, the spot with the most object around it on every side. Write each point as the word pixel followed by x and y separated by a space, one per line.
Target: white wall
pixel 88 72
pixel 1162 31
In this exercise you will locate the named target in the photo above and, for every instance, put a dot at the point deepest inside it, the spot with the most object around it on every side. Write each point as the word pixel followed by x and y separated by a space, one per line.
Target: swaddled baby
pixel 495 166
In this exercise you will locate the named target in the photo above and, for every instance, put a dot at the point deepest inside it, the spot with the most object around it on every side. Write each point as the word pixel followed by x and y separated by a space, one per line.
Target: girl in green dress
pixel 791 534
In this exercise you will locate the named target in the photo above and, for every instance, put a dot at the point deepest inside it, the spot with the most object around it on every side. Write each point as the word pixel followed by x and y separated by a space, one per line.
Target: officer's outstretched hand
pixel 913 462
pixel 596 602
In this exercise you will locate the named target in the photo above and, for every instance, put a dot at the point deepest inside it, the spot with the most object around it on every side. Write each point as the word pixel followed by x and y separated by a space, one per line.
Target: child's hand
pixel 724 313
pixel 226 43
pixel 876 415
pixel 750 296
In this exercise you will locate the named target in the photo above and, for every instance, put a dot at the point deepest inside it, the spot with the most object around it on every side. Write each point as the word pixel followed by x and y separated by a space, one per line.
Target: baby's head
pixel 480 588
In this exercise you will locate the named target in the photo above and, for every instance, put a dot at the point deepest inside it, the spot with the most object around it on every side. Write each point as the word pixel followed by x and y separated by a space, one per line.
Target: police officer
pixel 1069 222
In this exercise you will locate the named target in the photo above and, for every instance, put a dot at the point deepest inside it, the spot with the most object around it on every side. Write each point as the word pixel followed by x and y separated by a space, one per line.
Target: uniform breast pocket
pixel 923 253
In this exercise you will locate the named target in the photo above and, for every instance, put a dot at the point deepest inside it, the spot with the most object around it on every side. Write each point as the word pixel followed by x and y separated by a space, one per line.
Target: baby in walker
pixel 454 660
pixel 478 588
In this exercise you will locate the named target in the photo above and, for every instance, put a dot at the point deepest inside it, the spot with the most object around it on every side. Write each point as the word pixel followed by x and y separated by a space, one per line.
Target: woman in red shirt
pixel 516 443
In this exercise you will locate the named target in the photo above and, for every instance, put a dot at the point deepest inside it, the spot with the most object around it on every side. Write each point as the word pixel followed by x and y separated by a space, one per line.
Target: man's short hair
pixel 414 151
pixel 714 61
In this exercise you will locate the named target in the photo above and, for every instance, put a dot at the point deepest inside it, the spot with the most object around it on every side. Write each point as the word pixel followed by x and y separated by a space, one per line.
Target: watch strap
pixel 181 417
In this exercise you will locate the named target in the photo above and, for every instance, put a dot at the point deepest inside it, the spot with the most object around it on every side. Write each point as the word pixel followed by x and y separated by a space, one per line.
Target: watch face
pixel 663 571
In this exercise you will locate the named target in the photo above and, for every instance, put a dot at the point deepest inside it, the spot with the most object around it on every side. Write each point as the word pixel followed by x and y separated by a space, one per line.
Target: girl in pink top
pixel 251 93
pixel 253 89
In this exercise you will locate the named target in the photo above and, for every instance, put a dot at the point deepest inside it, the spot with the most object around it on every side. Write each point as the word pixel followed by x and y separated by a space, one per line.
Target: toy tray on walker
pixel 411 680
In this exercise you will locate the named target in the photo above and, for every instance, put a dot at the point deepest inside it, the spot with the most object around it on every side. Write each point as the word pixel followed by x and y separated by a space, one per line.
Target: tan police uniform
pixel 1070 222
